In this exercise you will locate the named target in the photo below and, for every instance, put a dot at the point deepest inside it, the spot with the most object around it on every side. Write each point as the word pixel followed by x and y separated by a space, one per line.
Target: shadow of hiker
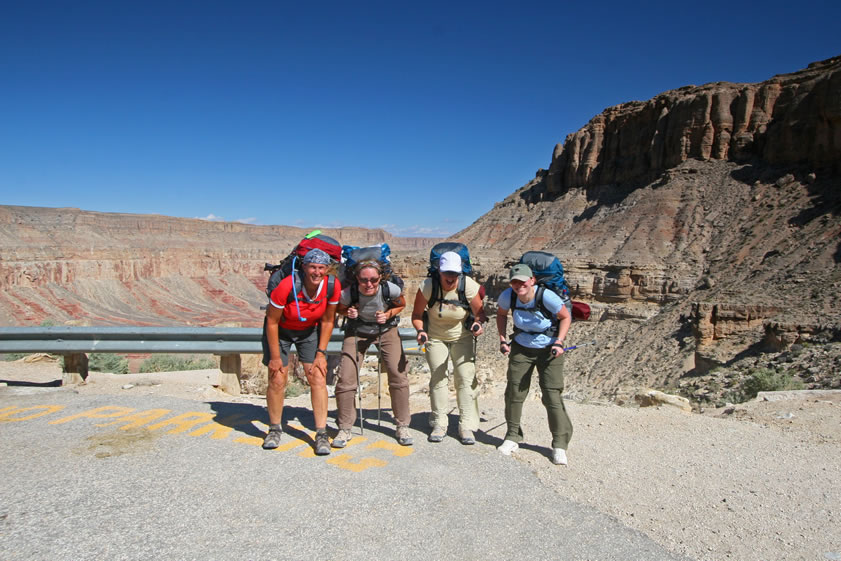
pixel 241 417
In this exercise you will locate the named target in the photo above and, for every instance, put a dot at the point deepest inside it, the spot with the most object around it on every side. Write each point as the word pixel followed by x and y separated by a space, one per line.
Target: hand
pixel 557 349
pixel 352 312
pixel 320 363
pixel 504 348
pixel 476 329
pixel 275 366
pixel 422 338
pixel 381 317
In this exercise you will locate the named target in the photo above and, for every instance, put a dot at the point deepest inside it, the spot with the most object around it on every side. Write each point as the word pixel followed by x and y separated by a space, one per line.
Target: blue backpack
pixel 549 274
pixel 381 253
pixel 432 272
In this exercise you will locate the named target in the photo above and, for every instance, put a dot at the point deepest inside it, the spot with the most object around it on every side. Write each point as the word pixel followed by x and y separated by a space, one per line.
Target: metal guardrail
pixel 227 342
pixel 200 340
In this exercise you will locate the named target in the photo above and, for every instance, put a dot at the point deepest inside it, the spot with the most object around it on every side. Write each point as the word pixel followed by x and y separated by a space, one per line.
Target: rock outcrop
pixel 792 118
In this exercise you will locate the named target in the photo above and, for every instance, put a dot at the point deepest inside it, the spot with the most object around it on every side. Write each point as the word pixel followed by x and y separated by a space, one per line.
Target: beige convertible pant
pixel 461 353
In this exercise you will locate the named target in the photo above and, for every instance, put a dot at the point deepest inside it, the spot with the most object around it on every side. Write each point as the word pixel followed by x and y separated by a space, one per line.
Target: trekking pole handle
pixel 422 338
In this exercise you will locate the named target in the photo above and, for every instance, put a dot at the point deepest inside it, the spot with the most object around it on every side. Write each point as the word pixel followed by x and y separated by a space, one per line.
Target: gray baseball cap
pixel 520 272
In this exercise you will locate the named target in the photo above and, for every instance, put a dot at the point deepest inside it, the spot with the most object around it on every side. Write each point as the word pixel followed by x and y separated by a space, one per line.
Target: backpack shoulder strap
pixel 436 291
pixel 297 285
pixel 462 296
pixel 331 284
pixel 386 293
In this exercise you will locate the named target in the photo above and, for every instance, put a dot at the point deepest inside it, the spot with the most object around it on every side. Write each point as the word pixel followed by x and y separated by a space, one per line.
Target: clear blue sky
pixel 412 116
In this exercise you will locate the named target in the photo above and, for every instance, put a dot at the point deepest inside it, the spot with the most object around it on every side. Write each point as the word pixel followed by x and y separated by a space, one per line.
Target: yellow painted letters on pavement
pixel 6 416
pixel 98 413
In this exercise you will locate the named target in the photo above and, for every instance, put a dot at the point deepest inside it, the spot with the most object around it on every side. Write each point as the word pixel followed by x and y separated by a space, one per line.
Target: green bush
pixel 13 356
pixel 170 363
pixel 295 387
pixel 104 362
pixel 767 380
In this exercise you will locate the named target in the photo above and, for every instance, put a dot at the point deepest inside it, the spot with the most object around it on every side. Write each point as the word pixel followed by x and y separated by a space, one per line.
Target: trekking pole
pixel 358 380
pixel 572 348
pixel 379 372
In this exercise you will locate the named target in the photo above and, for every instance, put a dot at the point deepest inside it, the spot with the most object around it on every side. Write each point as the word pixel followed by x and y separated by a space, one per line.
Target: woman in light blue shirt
pixel 540 328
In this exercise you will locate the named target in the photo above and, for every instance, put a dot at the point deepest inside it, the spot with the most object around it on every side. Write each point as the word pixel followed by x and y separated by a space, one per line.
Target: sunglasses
pixel 368 280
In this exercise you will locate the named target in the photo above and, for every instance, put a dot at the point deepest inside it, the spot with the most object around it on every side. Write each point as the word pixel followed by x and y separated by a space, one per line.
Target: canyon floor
pixel 754 481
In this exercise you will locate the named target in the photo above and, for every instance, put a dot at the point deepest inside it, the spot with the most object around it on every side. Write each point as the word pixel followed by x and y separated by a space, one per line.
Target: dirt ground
pixel 754 481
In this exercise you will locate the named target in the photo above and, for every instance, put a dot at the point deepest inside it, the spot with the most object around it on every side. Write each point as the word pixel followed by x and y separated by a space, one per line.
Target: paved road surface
pixel 110 477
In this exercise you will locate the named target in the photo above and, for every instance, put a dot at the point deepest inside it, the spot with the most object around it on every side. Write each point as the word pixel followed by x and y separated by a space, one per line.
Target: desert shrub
pixel 106 362
pixel 13 356
pixel 295 387
pixel 767 380
pixel 171 363
pixel 48 323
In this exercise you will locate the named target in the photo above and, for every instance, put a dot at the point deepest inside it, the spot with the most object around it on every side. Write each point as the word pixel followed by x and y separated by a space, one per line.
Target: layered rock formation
pixel 709 217
pixel 68 265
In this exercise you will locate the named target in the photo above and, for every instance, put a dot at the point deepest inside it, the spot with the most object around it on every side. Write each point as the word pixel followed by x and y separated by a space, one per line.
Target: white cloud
pixel 211 218
pixel 246 220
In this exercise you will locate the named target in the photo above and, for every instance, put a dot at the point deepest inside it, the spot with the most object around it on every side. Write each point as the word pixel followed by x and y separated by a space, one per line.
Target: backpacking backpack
pixel 549 274
pixel 432 272
pixel 291 263
pixel 380 253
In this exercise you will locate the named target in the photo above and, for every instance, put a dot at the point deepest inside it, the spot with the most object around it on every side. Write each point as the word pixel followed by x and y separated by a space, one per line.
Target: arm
pixel 502 328
pixel 398 304
pixel 478 310
pixel 273 316
pixel 563 327
pixel 417 317
pixel 325 331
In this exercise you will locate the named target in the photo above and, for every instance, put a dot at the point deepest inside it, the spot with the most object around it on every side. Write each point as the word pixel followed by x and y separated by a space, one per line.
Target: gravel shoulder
pixel 750 482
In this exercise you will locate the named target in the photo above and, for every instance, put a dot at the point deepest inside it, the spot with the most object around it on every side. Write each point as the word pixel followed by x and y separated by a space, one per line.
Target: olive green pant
pixel 464 373
pixel 521 364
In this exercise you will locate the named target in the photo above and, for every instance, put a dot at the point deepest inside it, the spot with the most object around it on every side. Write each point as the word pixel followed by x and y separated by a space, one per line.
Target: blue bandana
pixel 317 256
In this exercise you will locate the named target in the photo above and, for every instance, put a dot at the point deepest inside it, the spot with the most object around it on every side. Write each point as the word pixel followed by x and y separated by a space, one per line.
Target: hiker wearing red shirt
pixel 305 320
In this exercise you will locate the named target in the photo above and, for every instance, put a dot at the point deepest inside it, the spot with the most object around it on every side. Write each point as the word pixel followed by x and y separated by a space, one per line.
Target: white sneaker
pixel 508 447
pixel 559 456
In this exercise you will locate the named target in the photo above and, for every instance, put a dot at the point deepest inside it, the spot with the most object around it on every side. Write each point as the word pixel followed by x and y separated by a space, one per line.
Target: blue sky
pixel 415 117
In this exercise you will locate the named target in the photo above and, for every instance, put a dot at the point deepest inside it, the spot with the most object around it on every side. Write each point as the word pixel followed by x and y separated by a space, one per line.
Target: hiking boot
pixel 559 456
pixel 272 439
pixel 403 437
pixel 438 433
pixel 322 444
pixel 467 437
pixel 342 438
pixel 508 447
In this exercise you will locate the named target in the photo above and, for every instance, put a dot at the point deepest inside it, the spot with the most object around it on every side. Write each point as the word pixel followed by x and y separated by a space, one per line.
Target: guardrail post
pixel 231 367
pixel 75 369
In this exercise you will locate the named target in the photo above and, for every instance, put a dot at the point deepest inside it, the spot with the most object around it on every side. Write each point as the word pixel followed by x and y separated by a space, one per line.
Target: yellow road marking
pixel 98 413
pixel 345 461
pixel 393 447
pixel 138 419
pixel 184 422
pixel 47 409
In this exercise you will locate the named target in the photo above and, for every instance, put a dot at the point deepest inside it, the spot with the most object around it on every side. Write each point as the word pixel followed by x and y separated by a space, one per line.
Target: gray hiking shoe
pixel 403 437
pixel 467 437
pixel 342 438
pixel 322 444
pixel 272 439
pixel 438 433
